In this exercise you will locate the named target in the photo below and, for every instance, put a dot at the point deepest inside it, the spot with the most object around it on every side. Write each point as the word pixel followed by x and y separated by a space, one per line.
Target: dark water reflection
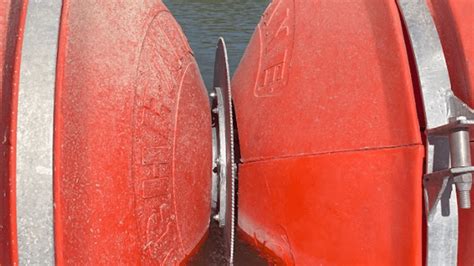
pixel 203 22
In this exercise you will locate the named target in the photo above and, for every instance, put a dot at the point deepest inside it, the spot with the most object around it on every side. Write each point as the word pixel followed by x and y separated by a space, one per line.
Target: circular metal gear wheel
pixel 224 142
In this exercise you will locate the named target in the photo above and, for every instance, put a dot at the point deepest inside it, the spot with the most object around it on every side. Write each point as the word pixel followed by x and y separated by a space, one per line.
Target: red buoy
pixel 132 140
pixel 330 99
pixel 12 19
pixel 329 136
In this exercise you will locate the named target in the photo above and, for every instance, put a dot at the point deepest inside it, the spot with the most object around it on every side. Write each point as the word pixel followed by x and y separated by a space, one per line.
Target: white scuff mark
pixel 43 170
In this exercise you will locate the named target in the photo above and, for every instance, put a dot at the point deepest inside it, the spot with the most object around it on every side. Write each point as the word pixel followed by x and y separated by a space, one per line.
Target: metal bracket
pixel 455 135
pixel 223 147
pixel 448 119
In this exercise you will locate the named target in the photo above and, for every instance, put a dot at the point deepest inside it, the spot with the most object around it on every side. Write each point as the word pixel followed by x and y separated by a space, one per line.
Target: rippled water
pixel 203 22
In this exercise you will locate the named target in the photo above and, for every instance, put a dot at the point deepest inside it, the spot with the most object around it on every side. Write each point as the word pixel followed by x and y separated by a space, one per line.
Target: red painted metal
pixel 351 208
pixel 12 22
pixel 455 23
pixel 330 141
pixel 132 142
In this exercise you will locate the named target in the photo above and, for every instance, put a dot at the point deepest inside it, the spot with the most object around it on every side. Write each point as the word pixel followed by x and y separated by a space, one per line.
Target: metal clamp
pixel 448 155
pixel 457 133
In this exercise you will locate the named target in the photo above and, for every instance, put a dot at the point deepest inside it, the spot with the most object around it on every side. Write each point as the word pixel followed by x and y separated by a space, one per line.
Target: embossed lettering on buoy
pixel 276 34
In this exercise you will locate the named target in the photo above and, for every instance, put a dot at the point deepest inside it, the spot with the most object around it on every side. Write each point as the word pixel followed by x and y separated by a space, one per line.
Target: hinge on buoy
pixel 448 154
pixel 224 167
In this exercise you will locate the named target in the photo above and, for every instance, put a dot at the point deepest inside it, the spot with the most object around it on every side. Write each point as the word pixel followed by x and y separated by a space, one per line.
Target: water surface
pixel 204 21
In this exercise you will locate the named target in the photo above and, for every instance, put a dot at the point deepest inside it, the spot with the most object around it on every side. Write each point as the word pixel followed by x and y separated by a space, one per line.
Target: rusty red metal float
pixel 132 137
pixel 12 18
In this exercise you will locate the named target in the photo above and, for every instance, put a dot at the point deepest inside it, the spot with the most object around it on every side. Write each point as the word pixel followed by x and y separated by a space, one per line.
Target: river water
pixel 203 22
